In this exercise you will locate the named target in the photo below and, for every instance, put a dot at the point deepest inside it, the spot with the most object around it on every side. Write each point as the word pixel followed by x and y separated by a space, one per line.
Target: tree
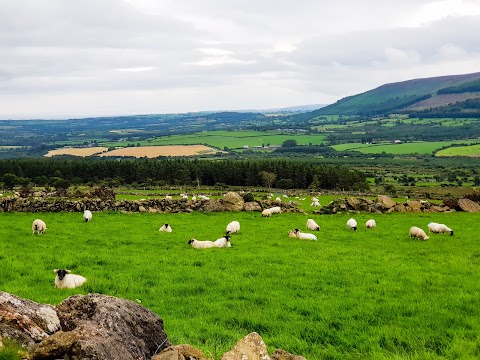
pixel 289 143
pixel 9 180
pixel 268 178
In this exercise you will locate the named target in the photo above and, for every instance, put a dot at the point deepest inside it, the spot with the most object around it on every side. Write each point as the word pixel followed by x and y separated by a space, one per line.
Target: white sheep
pixel 315 199
pixel 291 234
pixel 304 236
pixel 270 211
pixel 278 199
pixel 198 244
pixel 312 225
pixel 352 224
pixel 87 215
pixel 168 197
pixel 66 280
pixel 194 198
pixel 285 196
pixel 439 228
pixel 166 228
pixel 233 227
pixel 223 242
pixel 203 197
pixel 184 197
pixel 371 224
pixel 315 204
pixel 38 226
pixel 416 232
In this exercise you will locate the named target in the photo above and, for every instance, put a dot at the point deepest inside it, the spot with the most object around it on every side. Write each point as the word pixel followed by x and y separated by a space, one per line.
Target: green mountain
pixel 409 96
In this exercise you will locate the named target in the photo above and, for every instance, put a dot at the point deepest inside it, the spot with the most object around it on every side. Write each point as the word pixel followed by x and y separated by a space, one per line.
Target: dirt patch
pixel 76 151
pixel 167 150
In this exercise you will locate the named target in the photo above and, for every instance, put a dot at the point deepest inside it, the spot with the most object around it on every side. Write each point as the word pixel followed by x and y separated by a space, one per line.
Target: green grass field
pixel 351 295
pixel 426 147
pixel 230 139
pixel 473 150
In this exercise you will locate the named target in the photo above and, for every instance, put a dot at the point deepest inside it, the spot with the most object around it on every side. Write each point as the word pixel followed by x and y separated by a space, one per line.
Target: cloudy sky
pixel 64 59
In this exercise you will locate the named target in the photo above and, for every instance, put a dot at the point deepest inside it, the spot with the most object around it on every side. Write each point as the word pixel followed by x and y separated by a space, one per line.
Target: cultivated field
pixel 76 151
pixel 351 295
pixel 472 151
pixel 154 151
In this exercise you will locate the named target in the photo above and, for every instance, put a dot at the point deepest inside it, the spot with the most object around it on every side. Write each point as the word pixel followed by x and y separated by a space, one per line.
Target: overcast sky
pixel 65 59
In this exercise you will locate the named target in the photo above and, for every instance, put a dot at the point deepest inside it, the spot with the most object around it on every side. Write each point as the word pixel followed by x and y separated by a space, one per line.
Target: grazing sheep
pixel 223 242
pixel 312 225
pixel 166 228
pixel 194 198
pixel 416 232
pixel 439 228
pixel 233 227
pixel 315 204
pixel 352 224
pixel 66 280
pixel 168 197
pixel 38 226
pixel 198 244
pixel 304 236
pixel 371 224
pixel 270 211
pixel 87 215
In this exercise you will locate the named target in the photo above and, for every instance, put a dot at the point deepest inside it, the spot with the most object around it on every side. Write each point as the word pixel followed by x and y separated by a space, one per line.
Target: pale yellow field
pixel 76 151
pixel 167 150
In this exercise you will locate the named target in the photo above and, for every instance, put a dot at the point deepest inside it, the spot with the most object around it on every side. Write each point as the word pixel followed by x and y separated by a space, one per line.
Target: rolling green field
pixel 473 150
pixel 230 139
pixel 426 147
pixel 351 295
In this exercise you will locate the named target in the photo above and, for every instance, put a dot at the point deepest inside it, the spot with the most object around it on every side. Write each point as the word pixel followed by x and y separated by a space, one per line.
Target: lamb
pixel 66 280
pixel 270 211
pixel 198 244
pixel 416 232
pixel 439 228
pixel 352 224
pixel 166 228
pixel 233 227
pixel 304 236
pixel 87 215
pixel 223 242
pixel 371 224
pixel 38 226
pixel 312 225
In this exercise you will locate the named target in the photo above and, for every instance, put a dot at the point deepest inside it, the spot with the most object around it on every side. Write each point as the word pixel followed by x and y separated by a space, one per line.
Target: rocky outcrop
pixel 251 347
pixel 280 354
pixel 233 201
pixel 180 352
pixel 385 201
pixel 103 327
pixel 468 205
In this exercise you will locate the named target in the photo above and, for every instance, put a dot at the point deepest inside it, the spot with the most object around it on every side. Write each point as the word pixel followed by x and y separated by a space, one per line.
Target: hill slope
pixel 402 96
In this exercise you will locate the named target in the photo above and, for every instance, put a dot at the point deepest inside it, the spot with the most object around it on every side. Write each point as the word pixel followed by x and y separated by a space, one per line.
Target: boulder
pixel 468 205
pixel 415 205
pixel 25 321
pixel 103 327
pixel 354 203
pixel 212 205
pixel 180 352
pixel 251 347
pixel 252 206
pixel 280 354
pixel 400 208
pixel 233 201
pixel 386 201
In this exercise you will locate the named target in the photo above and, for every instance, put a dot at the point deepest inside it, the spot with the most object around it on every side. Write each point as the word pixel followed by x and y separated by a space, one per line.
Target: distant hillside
pixel 403 96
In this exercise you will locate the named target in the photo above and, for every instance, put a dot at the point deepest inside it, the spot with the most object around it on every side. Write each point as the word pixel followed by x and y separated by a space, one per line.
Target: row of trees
pixel 255 172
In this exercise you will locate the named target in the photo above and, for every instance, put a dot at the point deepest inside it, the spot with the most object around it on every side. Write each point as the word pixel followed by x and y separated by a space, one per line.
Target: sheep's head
pixel 166 225
pixel 296 231
pixel 227 237
pixel 190 241
pixel 61 273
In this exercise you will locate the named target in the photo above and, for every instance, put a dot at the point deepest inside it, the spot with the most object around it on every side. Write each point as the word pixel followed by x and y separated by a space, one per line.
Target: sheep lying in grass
pixel 312 225
pixel 38 226
pixel 270 211
pixel 417 233
pixel 304 236
pixel 198 244
pixel 233 227
pixel 87 215
pixel 223 242
pixel 352 224
pixel 315 204
pixel 371 224
pixel 66 280
pixel 165 227
pixel 439 228
pixel 291 234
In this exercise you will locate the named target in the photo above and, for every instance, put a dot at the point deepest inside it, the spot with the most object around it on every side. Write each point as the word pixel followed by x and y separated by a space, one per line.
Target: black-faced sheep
pixel 66 280
pixel 39 226
pixel 439 228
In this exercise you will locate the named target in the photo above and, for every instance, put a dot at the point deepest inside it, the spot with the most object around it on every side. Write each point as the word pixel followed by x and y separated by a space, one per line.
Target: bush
pixel 248 197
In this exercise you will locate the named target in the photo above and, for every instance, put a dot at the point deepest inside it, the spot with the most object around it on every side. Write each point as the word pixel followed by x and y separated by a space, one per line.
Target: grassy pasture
pixel 426 147
pixel 351 295
pixel 472 150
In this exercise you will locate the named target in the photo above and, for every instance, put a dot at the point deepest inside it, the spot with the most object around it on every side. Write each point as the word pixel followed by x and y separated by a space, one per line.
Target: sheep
pixel 87 215
pixel 223 242
pixel 198 244
pixel 291 234
pixel 166 228
pixel 315 204
pixel 203 197
pixel 38 226
pixel 371 224
pixel 233 227
pixel 315 199
pixel 416 232
pixel 184 197
pixel 285 196
pixel 194 198
pixel 66 280
pixel 278 199
pixel 304 236
pixel 439 228
pixel 270 211
pixel 312 225
pixel 352 224
pixel 168 197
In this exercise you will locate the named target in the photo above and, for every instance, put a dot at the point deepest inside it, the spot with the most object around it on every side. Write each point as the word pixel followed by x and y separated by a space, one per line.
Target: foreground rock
pixel 103 327
pixel 468 205
pixel 233 201
pixel 251 347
